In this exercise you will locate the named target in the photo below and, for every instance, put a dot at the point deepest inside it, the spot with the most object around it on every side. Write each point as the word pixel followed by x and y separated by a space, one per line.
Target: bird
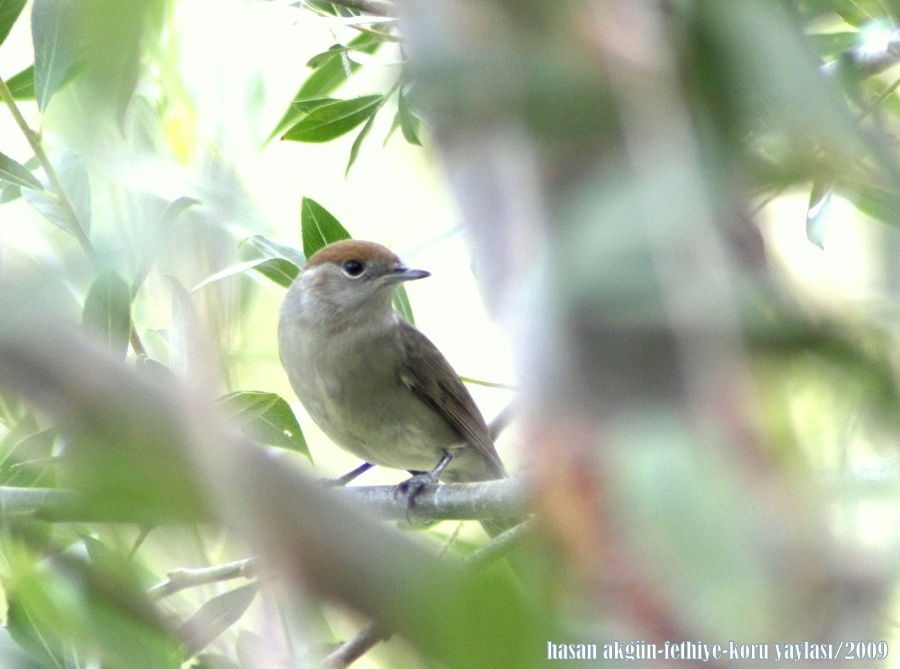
pixel 374 383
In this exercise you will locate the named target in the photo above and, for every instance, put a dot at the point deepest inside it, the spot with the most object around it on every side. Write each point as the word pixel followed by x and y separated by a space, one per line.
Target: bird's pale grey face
pixel 351 281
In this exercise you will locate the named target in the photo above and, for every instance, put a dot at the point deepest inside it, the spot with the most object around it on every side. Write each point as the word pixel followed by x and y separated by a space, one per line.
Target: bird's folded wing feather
pixel 430 376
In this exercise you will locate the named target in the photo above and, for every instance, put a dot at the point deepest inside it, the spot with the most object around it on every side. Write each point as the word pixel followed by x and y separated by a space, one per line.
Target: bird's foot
pixel 410 490
pixel 413 486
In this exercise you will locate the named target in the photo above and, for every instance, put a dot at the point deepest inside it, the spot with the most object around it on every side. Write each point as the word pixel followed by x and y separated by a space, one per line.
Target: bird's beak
pixel 405 274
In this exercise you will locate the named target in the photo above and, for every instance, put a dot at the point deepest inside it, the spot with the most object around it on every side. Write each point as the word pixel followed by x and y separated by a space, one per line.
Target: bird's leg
pixel 349 476
pixel 420 480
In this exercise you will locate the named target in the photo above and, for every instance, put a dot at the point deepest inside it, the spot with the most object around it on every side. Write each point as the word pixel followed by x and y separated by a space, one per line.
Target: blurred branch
pixel 501 545
pixel 371 634
pixel 350 651
pixel 181 579
pixel 454 501
pixel 501 421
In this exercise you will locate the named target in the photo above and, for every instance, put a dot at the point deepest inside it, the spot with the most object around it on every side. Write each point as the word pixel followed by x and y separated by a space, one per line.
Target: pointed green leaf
pixel 267 419
pixel 107 311
pixel 25 624
pixel 25 463
pixel 410 124
pixel 10 193
pixel 280 271
pixel 233 270
pixel 21 85
pixel 357 143
pixel 216 616
pixel 47 205
pixel 16 174
pixel 882 205
pixel 75 181
pixel 394 125
pixel 401 303
pixel 330 73
pixel 55 45
pixel 9 13
pixel 318 227
pixel 332 120
pixel 272 249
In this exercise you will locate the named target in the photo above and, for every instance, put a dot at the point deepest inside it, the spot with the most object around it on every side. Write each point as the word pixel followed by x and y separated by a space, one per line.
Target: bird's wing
pixel 430 376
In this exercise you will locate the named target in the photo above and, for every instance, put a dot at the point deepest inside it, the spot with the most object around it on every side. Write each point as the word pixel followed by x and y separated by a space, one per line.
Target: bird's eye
pixel 353 268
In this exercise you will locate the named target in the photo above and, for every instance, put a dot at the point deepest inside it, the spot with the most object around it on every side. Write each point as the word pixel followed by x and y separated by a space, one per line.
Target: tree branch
pixel 181 579
pixel 455 501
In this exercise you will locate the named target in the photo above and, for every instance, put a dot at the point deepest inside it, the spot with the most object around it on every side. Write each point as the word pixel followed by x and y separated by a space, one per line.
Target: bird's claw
pixel 413 486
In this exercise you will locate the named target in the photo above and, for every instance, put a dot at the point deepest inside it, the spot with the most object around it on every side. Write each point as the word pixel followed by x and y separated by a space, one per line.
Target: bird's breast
pixel 349 382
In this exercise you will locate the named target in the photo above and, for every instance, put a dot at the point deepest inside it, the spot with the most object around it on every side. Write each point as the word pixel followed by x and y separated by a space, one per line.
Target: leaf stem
pixel 56 188
pixel 58 192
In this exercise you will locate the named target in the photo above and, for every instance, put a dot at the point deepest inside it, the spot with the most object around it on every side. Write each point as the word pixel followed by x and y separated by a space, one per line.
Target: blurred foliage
pixel 102 356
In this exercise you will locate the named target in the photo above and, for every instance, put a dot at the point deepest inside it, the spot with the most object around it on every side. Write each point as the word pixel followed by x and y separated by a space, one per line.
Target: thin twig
pixel 57 190
pixel 181 579
pixel 501 421
pixel 350 651
pixel 501 545
pixel 58 193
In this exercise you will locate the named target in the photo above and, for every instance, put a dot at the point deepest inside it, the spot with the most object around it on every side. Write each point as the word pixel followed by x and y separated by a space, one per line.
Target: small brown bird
pixel 370 380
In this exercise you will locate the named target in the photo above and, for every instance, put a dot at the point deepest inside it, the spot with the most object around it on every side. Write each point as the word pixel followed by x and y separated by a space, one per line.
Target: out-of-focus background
pixel 666 228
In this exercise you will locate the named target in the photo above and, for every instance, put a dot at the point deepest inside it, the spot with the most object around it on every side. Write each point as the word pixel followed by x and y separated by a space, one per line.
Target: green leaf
pixel 394 125
pixel 281 264
pixel 107 311
pixel 113 36
pixel 9 13
pixel 76 183
pixel 410 124
pixel 233 270
pixel 318 227
pixel 55 45
pixel 882 205
pixel 17 174
pixel 280 271
pixel 401 303
pixel 272 249
pixel 24 624
pixel 357 143
pixel 25 460
pixel 332 120
pixel 330 73
pixel 21 85
pixel 266 418
pixel 216 616
pixel 833 44
pixel 10 193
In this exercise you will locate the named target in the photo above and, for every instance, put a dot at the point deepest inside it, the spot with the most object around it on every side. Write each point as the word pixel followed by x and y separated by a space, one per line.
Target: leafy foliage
pixel 108 367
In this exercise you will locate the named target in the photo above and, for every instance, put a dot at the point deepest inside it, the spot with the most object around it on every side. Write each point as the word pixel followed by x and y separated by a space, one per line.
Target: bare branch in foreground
pixel 353 649
pixel 454 501
pixel 181 579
